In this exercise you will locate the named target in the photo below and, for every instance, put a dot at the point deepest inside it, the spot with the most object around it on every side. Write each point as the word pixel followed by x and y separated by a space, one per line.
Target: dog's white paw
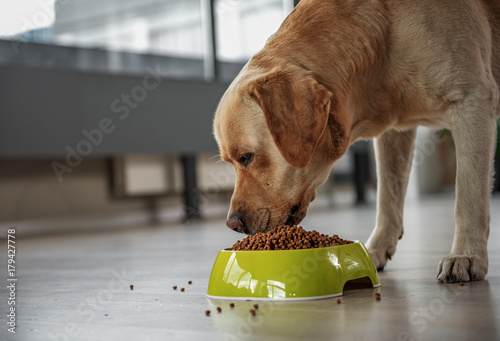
pixel 381 252
pixel 461 268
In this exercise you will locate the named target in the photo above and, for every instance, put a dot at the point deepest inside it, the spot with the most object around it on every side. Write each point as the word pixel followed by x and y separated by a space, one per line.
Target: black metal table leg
pixel 191 192
pixel 361 170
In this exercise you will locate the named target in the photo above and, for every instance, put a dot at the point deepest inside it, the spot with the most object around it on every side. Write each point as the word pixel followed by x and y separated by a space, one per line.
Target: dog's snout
pixel 236 222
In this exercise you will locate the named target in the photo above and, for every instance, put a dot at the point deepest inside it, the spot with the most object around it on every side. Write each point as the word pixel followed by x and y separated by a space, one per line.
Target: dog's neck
pixel 342 42
pixel 351 33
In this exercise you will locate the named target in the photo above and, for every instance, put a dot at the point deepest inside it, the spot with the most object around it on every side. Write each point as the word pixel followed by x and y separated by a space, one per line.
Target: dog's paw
pixel 380 252
pixel 459 268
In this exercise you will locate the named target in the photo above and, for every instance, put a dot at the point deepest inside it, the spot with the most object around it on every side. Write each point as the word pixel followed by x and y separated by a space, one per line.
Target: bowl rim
pixel 281 299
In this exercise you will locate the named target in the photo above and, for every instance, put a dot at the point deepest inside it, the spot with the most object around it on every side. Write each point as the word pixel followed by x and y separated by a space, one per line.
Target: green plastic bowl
pixel 304 274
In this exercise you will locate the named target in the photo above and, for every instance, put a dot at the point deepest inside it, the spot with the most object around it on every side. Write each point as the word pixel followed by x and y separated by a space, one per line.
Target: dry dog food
pixel 182 289
pixel 231 305
pixel 461 284
pixel 131 287
pixel 190 282
pixel 287 238
pixel 339 301
pixel 256 306
pixel 252 312
pixel 207 312
pixel 175 287
pixel 219 309
pixel 378 296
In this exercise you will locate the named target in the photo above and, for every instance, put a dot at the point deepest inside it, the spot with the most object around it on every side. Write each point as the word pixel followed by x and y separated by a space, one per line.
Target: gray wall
pixel 44 113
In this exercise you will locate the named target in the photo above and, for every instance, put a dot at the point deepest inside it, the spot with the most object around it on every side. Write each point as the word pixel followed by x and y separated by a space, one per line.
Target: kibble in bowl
pixel 287 238
pixel 289 263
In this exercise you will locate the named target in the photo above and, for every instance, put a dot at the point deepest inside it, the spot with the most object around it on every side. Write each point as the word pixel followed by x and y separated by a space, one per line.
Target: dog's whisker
pixel 218 155
pixel 277 208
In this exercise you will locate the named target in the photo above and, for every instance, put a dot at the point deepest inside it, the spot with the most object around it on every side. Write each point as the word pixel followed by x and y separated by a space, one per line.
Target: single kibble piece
pixel 190 282
pixel 219 309
pixel 378 296
pixel 461 284
pixel 182 289
pixel 131 287
pixel 252 312
pixel 287 238
pixel 207 312
pixel 339 301
pixel 175 287
pixel 231 305
pixel 256 306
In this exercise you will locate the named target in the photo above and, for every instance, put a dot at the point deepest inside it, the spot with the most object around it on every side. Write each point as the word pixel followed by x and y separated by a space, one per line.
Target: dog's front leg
pixel 474 132
pixel 394 150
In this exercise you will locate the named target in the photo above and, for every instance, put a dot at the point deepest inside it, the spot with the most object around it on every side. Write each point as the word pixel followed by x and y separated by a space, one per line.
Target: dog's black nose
pixel 236 222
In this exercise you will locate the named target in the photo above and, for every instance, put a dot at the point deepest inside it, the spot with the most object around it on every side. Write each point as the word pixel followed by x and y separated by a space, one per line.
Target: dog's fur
pixel 342 70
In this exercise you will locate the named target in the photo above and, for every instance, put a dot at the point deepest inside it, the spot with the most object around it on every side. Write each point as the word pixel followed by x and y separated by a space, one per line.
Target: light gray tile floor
pixel 76 287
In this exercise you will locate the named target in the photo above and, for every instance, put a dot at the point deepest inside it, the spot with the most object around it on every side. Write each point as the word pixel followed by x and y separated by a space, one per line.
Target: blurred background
pixel 106 109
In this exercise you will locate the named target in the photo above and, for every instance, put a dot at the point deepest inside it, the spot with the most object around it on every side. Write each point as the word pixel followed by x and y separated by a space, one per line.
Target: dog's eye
pixel 245 159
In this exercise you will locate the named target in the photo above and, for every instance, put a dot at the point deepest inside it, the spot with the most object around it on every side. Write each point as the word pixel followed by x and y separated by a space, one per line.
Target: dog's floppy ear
pixel 296 108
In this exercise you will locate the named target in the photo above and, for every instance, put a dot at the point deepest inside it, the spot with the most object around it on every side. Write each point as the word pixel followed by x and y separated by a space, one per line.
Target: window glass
pixel 123 36
pixel 242 27
pixel 164 27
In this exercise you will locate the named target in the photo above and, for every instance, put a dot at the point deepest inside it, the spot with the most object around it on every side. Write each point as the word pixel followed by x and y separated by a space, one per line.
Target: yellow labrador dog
pixel 338 71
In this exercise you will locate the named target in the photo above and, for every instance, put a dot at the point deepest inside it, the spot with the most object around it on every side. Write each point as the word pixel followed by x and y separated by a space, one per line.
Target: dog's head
pixel 279 130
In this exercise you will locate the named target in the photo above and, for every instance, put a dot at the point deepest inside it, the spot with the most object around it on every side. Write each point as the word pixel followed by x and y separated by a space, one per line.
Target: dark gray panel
pixel 40 56
pixel 43 56
pixel 43 113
